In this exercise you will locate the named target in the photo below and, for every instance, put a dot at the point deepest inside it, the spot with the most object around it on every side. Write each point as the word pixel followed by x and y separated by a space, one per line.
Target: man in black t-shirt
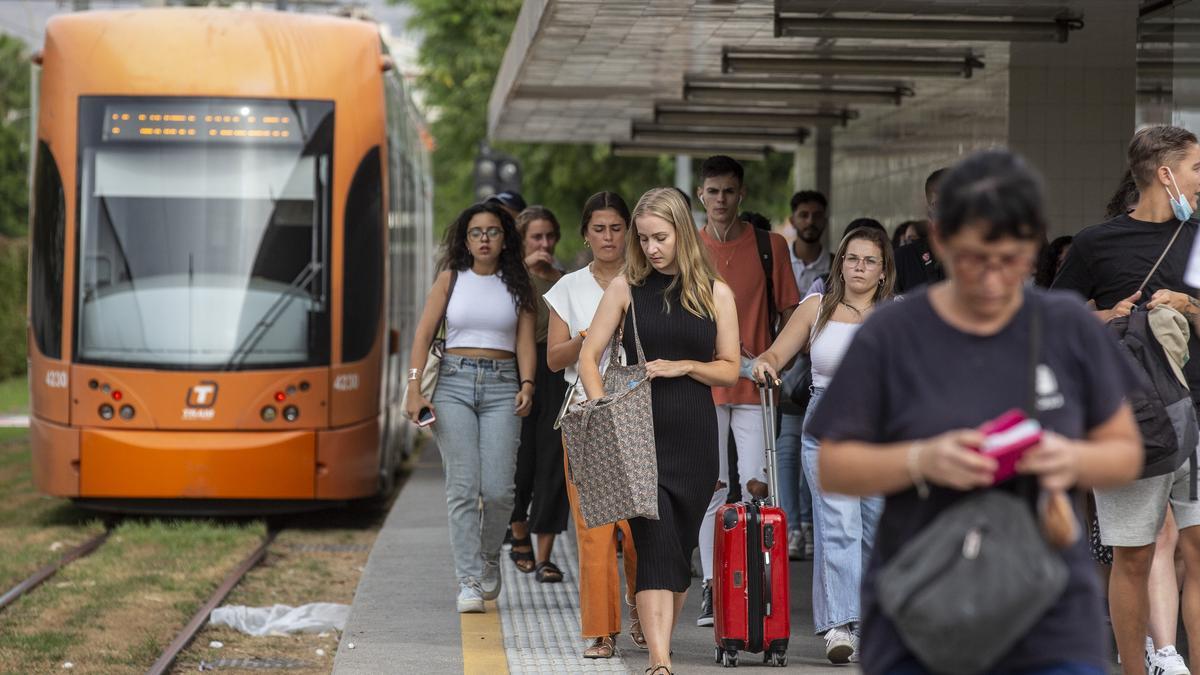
pixel 916 265
pixel 1108 265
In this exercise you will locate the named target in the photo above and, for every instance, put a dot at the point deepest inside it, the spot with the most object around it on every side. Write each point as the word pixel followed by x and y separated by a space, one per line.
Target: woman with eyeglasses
pixel 484 387
pixel 843 527
pixel 902 415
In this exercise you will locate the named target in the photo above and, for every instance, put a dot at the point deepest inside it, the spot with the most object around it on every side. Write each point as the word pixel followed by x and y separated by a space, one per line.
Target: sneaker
pixel 1167 661
pixel 489 583
pixel 795 545
pixel 855 636
pixel 1149 656
pixel 839 645
pixel 807 529
pixel 470 598
pixel 706 607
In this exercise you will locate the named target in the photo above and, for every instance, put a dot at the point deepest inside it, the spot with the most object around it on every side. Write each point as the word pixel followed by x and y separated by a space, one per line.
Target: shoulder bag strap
pixel 439 334
pixel 637 340
pixel 766 257
pixel 1158 262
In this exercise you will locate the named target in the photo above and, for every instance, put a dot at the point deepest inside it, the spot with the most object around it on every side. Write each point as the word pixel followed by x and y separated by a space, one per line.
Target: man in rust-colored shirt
pixel 734 248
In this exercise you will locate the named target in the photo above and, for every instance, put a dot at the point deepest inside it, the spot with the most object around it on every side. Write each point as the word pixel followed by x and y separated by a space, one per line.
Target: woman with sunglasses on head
pixel 572 303
pixel 670 299
pixel 484 387
pixel 890 424
pixel 843 527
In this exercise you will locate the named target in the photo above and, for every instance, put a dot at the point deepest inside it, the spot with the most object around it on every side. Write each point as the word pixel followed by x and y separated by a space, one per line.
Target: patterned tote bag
pixel 610 443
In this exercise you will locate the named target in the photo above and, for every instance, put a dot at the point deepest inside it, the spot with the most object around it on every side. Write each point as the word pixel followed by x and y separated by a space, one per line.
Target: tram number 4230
pixel 56 379
pixel 348 382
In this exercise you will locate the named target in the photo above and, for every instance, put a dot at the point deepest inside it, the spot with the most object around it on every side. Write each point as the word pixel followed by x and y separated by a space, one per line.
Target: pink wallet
pixel 1006 438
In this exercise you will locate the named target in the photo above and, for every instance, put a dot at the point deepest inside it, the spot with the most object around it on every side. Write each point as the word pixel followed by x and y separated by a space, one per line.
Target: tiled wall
pixel 880 161
pixel 1072 111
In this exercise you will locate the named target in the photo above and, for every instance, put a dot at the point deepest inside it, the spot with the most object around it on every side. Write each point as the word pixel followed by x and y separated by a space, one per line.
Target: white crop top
pixel 828 348
pixel 481 314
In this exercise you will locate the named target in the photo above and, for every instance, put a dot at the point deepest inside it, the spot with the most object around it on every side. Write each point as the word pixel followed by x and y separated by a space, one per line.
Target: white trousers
pixel 747 424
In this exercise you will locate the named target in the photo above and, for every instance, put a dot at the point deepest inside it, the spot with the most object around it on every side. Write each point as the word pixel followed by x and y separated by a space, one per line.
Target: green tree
pixel 14 137
pixel 463 43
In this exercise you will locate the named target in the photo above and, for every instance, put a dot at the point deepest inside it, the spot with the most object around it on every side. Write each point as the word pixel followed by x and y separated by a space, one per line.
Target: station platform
pixel 404 621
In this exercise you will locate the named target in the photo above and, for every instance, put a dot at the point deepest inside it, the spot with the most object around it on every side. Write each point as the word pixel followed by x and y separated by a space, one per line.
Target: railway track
pixel 167 659
pixel 34 580
pixel 200 618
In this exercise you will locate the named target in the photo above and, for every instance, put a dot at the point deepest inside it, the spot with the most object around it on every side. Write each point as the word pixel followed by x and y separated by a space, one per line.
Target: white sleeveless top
pixel 482 314
pixel 828 348
pixel 575 299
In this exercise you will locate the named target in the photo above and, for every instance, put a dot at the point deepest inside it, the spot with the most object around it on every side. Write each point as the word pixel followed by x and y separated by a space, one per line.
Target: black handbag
pixel 977 578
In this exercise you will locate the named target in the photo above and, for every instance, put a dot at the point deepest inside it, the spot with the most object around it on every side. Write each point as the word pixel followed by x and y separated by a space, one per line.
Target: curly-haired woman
pixel 485 383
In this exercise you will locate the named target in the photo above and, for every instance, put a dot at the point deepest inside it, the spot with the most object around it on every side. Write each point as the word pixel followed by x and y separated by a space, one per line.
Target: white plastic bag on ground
pixel 280 619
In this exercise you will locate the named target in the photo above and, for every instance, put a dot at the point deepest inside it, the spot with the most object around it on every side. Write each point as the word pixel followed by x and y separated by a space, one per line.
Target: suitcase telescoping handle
pixel 766 394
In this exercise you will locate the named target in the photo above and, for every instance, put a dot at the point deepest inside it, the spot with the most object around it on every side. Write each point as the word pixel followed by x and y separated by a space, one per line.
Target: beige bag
pixel 610 443
pixel 437 349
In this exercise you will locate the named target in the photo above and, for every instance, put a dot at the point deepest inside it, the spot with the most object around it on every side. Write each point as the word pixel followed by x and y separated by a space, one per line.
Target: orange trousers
pixel 600 600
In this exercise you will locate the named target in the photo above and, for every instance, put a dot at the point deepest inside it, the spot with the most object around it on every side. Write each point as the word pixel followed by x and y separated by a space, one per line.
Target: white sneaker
pixel 1149 656
pixel 489 584
pixel 795 545
pixel 839 645
pixel 1167 661
pixel 470 598
pixel 855 637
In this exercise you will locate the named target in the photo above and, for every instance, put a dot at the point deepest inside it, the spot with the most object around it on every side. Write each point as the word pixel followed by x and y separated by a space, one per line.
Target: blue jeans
pixel 477 432
pixel 913 668
pixel 794 495
pixel 843 533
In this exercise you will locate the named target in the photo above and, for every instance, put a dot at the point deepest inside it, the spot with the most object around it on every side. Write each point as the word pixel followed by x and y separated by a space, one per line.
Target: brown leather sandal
pixel 659 669
pixel 601 648
pixel 635 629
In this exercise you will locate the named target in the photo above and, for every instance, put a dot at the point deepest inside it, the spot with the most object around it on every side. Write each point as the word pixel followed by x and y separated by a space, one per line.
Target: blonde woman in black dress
pixel 688 326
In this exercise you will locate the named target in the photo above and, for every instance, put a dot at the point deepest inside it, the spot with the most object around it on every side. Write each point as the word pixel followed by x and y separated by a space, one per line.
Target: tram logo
pixel 203 395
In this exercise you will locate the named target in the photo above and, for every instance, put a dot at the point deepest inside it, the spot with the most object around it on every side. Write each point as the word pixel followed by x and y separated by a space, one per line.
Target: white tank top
pixel 482 314
pixel 828 348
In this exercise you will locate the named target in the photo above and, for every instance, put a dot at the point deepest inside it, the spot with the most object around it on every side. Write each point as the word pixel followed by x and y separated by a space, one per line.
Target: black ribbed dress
pixel 685 436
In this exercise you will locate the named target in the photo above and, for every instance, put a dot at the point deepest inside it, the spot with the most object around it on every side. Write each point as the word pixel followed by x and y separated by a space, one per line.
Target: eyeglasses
pixel 476 233
pixel 870 262
pixel 977 264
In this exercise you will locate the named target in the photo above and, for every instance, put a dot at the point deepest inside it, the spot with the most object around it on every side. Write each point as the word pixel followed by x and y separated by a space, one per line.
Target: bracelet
pixel 914 471
pixel 414 374
pixel 529 382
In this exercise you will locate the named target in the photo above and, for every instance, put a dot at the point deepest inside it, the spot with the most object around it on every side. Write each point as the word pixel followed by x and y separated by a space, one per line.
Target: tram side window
pixel 362 259
pixel 49 224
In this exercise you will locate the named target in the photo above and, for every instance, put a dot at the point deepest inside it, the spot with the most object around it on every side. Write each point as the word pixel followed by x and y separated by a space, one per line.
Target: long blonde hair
pixel 837 285
pixel 696 272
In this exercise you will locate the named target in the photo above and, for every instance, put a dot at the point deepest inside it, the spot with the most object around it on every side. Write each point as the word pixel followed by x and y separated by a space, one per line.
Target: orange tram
pixel 230 243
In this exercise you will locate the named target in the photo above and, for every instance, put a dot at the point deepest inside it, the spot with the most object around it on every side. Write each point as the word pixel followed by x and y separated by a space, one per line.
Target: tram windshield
pixel 203 232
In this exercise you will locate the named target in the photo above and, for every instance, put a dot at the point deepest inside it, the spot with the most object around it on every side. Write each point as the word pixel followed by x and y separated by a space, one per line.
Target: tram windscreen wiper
pixel 269 317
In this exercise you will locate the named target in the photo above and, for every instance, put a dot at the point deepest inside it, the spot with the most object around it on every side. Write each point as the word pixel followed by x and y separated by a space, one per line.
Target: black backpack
pixel 1163 407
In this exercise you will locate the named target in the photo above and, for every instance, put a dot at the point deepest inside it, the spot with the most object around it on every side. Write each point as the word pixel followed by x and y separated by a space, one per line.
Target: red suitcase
pixel 750 572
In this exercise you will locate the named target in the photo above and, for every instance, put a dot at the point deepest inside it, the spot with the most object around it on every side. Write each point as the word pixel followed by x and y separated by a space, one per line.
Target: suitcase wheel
pixel 777 659
pixel 729 659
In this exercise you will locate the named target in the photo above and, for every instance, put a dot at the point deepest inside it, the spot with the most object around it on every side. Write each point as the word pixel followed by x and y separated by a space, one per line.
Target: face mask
pixel 1181 206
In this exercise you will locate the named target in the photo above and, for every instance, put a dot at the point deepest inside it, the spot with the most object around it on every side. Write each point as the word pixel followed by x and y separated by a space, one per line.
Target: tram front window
pixel 203 233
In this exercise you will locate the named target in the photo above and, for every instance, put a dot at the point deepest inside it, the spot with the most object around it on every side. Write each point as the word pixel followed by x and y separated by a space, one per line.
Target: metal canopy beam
pixel 735 60
pixel 644 132
pixel 926 29
pixel 657 149
pixel 748 117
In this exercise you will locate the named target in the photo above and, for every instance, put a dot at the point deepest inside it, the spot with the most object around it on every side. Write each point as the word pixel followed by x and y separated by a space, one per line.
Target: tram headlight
pixel 291 413
pixel 106 412
pixel 269 414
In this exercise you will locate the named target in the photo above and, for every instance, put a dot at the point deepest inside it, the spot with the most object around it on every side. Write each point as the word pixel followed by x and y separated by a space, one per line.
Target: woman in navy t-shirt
pixel 924 373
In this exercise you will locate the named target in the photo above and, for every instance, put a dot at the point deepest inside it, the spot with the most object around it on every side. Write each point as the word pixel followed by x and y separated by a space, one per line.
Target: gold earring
pixel 587 244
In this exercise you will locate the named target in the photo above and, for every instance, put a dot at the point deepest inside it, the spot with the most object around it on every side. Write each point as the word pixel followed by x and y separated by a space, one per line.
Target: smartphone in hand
pixel 425 417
